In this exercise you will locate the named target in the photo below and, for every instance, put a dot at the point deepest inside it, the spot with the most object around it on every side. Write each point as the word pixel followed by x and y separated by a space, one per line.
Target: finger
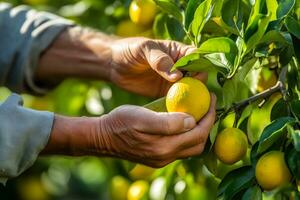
pixel 203 76
pixel 164 123
pixel 176 49
pixel 162 64
pixel 200 133
pixel 192 151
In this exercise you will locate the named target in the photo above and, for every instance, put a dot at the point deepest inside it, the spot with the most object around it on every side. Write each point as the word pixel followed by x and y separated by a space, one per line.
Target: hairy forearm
pixel 77 52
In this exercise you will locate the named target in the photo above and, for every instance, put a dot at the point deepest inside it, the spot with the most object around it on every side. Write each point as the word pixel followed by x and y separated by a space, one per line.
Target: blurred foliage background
pixel 74 178
pixel 66 178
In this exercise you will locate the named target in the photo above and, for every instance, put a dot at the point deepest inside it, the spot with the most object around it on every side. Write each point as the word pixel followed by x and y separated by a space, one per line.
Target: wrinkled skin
pixel 154 139
pixel 143 66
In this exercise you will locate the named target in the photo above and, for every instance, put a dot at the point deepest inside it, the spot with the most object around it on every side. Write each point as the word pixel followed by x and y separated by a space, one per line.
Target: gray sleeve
pixel 24 35
pixel 23 134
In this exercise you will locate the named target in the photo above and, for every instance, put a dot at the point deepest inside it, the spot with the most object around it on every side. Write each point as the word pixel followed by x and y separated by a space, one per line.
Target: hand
pixel 143 66
pixel 155 139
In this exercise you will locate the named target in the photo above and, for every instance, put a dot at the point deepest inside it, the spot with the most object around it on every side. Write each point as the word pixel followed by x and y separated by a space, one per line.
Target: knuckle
pixel 164 153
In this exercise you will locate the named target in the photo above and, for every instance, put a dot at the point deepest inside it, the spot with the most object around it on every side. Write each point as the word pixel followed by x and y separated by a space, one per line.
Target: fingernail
pixel 189 123
pixel 174 76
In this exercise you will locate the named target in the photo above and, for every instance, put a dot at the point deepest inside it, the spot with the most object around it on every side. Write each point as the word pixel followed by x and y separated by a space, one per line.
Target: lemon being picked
pixel 142 12
pixel 231 145
pixel 271 170
pixel 188 95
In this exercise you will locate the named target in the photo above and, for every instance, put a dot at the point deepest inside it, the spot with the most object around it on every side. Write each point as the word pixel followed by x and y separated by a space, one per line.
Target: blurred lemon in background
pixel 32 189
pixel 141 172
pixel 267 79
pixel 118 188
pixel 127 28
pixel 142 12
pixel 138 190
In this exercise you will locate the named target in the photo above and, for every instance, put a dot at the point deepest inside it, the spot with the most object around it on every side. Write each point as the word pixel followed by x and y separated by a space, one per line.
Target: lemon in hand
pixel 231 145
pixel 188 95
pixel 271 170
pixel 142 12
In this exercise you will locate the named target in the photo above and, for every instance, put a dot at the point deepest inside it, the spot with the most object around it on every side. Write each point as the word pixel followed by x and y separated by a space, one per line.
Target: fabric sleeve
pixel 24 34
pixel 23 135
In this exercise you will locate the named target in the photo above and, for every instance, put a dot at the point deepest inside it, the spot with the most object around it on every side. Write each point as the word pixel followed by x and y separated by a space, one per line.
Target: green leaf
pixel 260 25
pixel 240 183
pixel 273 132
pixel 295 105
pixel 195 63
pixel 158 105
pixel 235 181
pixel 171 8
pixel 284 7
pixel 159 27
pixel 175 29
pixel 245 114
pixel 211 162
pixel 232 13
pixel 275 36
pixel 253 193
pixel 293 26
pixel 186 60
pixel 201 16
pixel 218 45
pixel 257 8
pixel 219 59
pixel 243 71
pixel 280 109
pixel 214 132
pixel 229 93
pixel 190 11
pixel 272 6
pixel 295 135
pixel 293 160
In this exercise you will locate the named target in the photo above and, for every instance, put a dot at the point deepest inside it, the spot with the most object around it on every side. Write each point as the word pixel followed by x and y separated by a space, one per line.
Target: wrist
pixel 69 135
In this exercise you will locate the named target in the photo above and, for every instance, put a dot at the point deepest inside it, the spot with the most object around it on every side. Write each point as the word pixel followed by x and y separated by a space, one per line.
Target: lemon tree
pixel 251 51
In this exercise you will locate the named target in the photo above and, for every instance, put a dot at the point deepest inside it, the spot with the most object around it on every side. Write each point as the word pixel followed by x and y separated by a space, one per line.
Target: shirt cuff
pixel 24 133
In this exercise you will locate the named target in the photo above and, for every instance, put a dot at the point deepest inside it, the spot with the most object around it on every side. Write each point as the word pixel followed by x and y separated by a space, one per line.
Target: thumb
pixel 148 121
pixel 162 64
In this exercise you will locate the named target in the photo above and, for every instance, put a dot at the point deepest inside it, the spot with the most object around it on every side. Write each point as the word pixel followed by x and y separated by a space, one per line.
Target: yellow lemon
pixel 266 79
pixel 138 190
pixel 127 28
pixel 231 145
pixel 142 12
pixel 271 170
pixel 141 172
pixel 33 189
pixel 118 188
pixel 190 96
